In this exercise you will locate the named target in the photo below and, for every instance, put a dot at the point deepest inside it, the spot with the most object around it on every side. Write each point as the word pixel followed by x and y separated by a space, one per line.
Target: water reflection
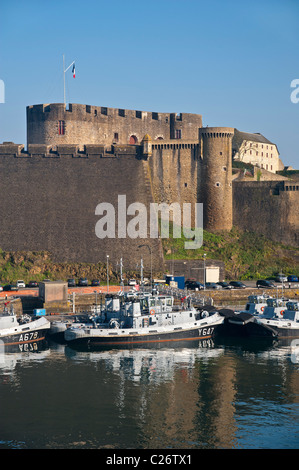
pixel 213 395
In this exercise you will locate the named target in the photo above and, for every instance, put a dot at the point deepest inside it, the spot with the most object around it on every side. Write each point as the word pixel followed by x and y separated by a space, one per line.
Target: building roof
pixel 239 137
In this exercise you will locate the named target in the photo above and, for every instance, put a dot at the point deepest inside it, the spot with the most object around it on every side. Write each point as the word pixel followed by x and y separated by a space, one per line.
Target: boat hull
pixel 255 328
pixel 112 338
pixel 24 334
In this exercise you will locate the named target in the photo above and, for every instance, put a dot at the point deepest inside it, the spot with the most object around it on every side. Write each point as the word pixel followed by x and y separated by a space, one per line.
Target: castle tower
pixel 216 151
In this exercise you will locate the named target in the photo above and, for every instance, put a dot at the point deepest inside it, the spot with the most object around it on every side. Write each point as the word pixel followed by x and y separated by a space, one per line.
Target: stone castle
pixel 78 156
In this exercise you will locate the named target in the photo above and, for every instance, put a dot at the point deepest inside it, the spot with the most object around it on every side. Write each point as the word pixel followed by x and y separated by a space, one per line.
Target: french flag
pixel 74 71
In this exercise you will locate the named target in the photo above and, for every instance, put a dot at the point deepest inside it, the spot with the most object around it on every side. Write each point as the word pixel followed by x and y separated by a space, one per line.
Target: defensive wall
pixel 49 192
pixel 48 201
pixel 55 124
pixel 268 207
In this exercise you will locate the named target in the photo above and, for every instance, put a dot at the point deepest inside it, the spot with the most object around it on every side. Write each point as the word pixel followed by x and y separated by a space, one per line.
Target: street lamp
pixel 107 275
pixel 204 271
pixel 150 249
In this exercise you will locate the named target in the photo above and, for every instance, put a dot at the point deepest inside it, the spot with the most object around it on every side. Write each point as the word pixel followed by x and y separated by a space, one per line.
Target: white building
pixel 257 150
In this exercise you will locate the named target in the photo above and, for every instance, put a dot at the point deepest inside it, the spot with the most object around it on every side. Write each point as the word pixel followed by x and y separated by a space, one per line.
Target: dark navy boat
pixel 144 320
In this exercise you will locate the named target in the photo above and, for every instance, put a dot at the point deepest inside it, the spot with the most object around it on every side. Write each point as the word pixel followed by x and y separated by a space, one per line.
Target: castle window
pixel 178 134
pixel 155 116
pixel 217 184
pixel 133 140
pixel 186 185
pixel 256 153
pixel 121 112
pixel 115 138
pixel 220 153
pixel 104 111
pixel 61 127
pixel 139 114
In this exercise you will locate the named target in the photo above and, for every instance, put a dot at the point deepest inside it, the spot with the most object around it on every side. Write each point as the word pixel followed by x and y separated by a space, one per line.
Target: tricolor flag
pixel 73 71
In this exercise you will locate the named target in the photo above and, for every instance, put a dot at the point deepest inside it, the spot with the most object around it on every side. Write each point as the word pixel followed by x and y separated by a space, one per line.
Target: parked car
pixel 10 287
pixel 292 279
pixel 83 281
pixel 224 285
pixel 194 285
pixel 264 283
pixel 32 284
pixel 95 282
pixel 20 283
pixel 212 285
pixel 281 278
pixel 132 282
pixel 71 283
pixel 237 285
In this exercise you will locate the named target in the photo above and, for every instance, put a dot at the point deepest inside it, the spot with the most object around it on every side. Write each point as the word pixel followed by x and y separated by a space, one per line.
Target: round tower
pixel 216 150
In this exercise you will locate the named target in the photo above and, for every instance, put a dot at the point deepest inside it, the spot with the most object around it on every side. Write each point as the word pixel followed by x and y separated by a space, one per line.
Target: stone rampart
pixel 56 123
pixel 49 198
pixel 268 207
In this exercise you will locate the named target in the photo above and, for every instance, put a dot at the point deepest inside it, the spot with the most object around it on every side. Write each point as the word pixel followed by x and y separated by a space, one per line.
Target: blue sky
pixel 231 61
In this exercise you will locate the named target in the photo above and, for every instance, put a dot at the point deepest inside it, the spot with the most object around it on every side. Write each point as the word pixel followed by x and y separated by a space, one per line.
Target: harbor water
pixel 220 394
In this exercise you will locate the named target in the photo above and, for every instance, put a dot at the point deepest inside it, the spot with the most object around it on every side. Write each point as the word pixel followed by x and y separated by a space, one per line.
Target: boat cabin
pixel 275 308
pixel 292 311
pixel 256 304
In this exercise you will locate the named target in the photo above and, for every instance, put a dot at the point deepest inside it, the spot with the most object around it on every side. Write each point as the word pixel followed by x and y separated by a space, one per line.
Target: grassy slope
pixel 246 255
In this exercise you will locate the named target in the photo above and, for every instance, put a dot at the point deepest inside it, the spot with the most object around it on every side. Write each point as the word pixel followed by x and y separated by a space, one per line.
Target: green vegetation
pixel 246 255
pixel 289 173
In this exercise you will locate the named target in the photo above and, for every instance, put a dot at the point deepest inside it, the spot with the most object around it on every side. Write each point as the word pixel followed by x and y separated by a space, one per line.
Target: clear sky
pixel 231 61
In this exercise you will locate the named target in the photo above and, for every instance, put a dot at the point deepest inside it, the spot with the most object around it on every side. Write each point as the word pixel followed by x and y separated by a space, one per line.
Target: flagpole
pixel 63 81
pixel 65 70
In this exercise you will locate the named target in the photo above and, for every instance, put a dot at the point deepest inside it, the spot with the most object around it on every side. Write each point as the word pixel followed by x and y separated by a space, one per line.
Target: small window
pixel 217 184
pixel 186 185
pixel 104 111
pixel 139 114
pixel 121 112
pixel 178 134
pixel 115 138
pixel 220 153
pixel 61 127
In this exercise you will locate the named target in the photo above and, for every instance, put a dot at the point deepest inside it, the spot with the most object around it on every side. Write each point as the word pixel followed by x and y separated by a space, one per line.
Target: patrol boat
pixel 285 326
pixel 144 320
pixel 280 319
pixel 23 330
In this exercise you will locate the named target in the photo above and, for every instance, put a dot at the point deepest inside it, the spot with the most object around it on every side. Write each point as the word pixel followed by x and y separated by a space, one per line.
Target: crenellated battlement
pixel 57 123
pixel 10 149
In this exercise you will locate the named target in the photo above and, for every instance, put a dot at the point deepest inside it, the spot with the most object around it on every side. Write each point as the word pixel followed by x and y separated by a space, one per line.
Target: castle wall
pixel 56 124
pixel 175 173
pixel 48 202
pixel 268 207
